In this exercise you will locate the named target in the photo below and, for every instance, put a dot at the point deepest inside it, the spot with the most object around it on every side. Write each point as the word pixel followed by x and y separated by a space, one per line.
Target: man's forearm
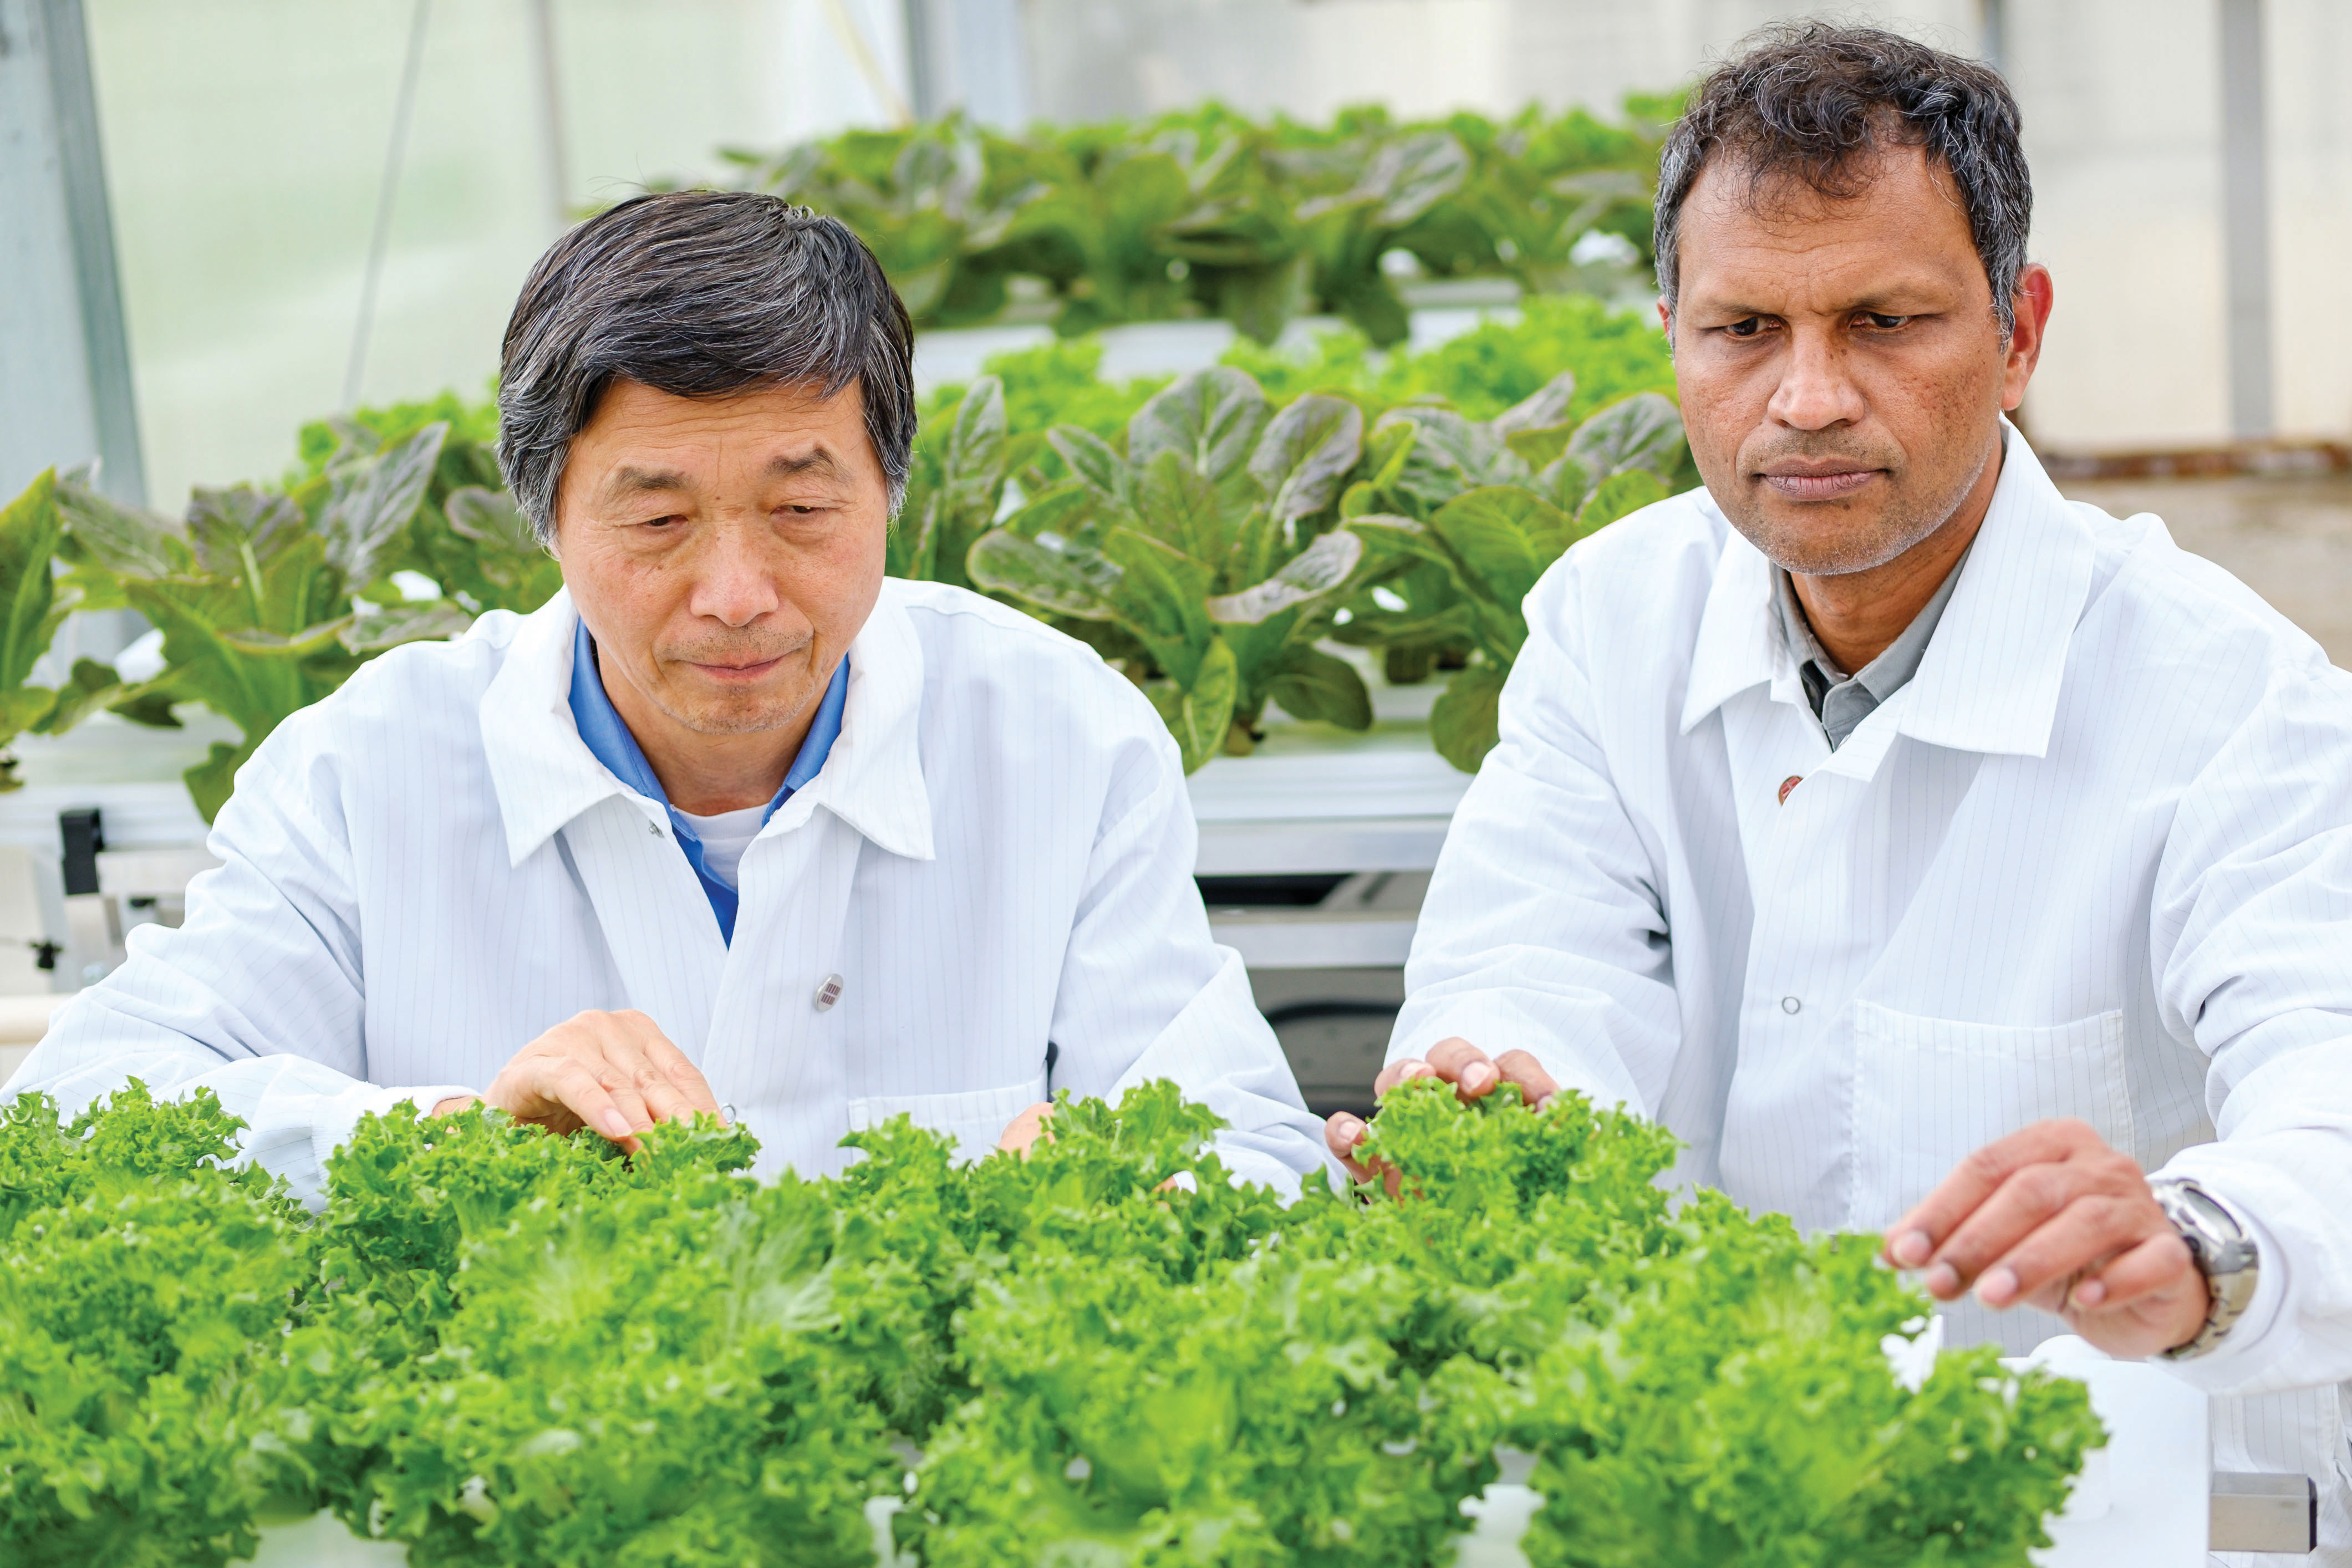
pixel 296 1110
pixel 2297 1330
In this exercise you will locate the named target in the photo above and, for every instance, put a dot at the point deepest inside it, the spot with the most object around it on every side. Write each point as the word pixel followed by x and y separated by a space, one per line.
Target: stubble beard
pixel 1793 535
pixel 749 712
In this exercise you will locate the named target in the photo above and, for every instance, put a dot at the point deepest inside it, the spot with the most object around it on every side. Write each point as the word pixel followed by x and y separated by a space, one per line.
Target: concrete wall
pixel 2310 63
pixel 2122 125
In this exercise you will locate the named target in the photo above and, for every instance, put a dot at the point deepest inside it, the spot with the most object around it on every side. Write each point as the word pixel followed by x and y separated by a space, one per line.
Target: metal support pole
pixel 2246 220
pixel 387 195
pixel 924 67
pixel 66 393
pixel 1993 32
pixel 555 163
pixel 82 163
pixel 861 54
pixel 970 55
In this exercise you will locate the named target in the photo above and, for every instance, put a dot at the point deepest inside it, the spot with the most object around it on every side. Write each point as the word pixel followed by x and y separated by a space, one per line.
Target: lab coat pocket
pixel 974 1118
pixel 1930 1091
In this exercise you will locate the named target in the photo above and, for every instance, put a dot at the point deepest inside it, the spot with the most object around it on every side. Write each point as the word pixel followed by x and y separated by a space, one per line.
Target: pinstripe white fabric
pixel 429 869
pixel 2094 860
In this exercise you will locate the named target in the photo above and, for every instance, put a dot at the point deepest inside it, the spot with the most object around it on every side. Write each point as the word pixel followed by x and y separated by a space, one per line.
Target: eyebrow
pixel 818 463
pixel 1894 300
pixel 628 480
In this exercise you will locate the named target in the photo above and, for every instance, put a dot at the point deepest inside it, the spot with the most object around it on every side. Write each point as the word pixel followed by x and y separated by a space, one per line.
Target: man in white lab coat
pixel 732 821
pixel 1936 855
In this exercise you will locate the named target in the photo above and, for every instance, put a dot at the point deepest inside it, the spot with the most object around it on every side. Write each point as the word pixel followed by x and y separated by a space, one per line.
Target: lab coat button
pixel 1791 782
pixel 1790 1005
pixel 828 994
pixel 653 828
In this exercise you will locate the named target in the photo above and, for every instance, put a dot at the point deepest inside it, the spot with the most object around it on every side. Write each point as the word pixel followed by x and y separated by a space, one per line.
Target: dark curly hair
pixel 1816 103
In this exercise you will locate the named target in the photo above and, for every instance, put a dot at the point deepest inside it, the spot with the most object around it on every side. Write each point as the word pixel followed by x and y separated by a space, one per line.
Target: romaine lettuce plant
pixel 466 536
pixel 1471 504
pixel 1535 186
pixel 955 486
pixel 1207 212
pixel 1502 362
pixel 1372 182
pixel 1211 549
pixel 256 591
pixel 1207 544
pixel 1169 219
pixel 935 203
pixel 35 606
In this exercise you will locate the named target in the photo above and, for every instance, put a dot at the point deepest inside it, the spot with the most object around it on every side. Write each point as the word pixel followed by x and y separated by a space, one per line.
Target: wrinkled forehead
pixel 1888 178
pixel 644 442
pixel 1893 221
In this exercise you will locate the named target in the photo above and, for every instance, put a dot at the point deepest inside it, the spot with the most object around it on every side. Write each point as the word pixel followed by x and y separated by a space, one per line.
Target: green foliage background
pixel 393 525
pixel 1208 212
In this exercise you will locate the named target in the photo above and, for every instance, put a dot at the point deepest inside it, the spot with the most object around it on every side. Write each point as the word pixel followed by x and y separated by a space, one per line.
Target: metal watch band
pixel 2225 1254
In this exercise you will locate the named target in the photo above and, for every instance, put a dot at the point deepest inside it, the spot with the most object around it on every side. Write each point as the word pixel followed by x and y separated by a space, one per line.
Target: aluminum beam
pixel 970 55
pixel 66 394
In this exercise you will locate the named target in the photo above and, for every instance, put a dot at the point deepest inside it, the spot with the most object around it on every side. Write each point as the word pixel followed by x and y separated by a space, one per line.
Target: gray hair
pixel 1818 102
pixel 698 294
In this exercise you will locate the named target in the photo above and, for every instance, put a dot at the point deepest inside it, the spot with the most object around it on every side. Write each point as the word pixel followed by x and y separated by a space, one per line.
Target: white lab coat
pixel 2094 860
pixel 427 869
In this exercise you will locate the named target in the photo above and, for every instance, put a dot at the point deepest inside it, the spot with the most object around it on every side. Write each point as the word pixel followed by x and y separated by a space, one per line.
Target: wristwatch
pixel 2224 1254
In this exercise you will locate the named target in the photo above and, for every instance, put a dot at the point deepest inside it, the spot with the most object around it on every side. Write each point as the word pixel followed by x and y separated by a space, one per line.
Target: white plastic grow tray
pixel 1316 800
pixel 1313 799
pixel 128 771
pixel 1438 310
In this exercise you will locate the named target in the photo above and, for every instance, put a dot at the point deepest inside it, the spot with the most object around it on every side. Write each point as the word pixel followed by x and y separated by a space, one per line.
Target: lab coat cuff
pixel 1261 1167
pixel 2256 1341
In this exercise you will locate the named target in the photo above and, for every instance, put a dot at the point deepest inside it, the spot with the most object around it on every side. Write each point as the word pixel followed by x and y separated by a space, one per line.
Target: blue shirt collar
pixel 609 740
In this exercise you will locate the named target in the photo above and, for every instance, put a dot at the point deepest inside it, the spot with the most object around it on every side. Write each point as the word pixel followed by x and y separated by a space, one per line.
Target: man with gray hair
pixel 1936 855
pixel 733 822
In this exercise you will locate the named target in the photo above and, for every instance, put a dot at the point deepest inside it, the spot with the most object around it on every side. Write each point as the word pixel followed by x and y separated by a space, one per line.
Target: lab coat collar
pixel 1738 644
pixel 546 777
pixel 544 774
pixel 874 778
pixel 1990 679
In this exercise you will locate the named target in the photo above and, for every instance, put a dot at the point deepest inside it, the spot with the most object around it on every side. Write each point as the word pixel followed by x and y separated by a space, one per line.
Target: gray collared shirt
pixel 1841 701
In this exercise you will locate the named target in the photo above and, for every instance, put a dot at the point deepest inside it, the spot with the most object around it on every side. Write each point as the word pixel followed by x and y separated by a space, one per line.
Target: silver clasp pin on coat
pixel 829 992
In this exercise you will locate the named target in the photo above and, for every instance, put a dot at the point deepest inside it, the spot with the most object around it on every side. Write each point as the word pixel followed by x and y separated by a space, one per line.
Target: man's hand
pixel 1472 1073
pixel 613 1071
pixel 2053 1217
pixel 1025 1129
